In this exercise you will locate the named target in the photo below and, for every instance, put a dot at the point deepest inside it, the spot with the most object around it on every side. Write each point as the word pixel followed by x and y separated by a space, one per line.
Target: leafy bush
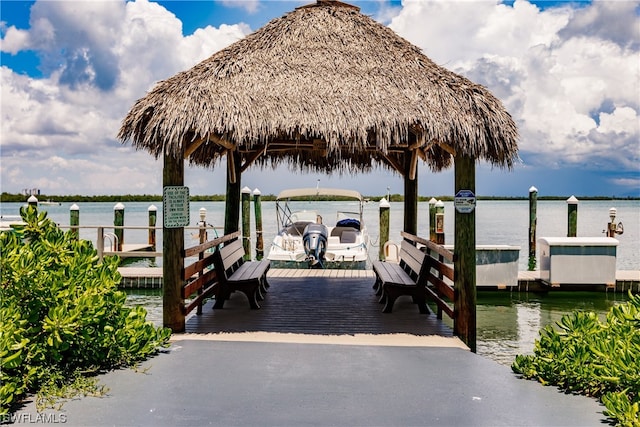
pixel 61 314
pixel 584 355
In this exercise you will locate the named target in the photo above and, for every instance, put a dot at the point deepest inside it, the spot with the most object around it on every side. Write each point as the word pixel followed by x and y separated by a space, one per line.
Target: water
pixel 508 322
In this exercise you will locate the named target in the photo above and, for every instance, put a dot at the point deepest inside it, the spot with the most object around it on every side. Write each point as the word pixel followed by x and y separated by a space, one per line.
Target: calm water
pixel 508 322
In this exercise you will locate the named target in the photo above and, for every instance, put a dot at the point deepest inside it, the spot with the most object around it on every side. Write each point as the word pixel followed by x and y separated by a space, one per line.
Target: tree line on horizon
pixel 17 198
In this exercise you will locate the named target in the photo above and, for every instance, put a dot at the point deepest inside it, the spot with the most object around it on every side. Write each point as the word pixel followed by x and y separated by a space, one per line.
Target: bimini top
pixel 303 192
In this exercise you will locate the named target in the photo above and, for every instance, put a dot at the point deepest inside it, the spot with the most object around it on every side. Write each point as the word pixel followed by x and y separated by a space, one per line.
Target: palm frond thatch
pixel 323 87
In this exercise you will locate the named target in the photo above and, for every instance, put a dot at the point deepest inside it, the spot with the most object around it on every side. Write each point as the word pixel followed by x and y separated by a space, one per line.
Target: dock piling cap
pixel 246 190
pixel 533 189
pixel 256 192
pixel 572 200
pixel 384 203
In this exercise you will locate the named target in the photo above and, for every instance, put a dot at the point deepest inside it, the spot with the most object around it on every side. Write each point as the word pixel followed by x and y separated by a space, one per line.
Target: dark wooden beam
pixel 464 325
pixel 232 200
pixel 172 251
pixel 410 196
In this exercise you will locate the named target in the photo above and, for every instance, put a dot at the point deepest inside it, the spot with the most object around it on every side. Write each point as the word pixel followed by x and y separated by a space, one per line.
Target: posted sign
pixel 175 206
pixel 464 201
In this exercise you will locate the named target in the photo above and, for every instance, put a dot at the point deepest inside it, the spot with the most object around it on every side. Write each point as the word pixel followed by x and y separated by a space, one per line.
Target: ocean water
pixel 508 322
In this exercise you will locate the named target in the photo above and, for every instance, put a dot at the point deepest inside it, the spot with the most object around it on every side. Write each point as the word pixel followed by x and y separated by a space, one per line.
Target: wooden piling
pixel 439 220
pixel 74 219
pixel 384 226
pixel 153 217
pixel 432 219
pixel 533 220
pixel 257 207
pixel 246 223
pixel 118 221
pixel 464 324
pixel 172 254
pixel 572 216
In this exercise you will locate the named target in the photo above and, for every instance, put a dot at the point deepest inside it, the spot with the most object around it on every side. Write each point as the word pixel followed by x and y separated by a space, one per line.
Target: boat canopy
pixel 302 192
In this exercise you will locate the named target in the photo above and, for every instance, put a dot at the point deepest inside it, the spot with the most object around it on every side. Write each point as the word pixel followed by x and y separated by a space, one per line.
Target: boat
pixel 9 222
pixel 307 240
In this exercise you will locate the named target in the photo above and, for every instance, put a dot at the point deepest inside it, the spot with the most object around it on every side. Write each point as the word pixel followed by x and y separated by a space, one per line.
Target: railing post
pixel 74 219
pixel 384 226
pixel 257 207
pixel 118 221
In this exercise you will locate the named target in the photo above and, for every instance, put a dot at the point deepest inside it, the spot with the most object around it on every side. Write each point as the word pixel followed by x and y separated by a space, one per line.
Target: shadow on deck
pixel 319 306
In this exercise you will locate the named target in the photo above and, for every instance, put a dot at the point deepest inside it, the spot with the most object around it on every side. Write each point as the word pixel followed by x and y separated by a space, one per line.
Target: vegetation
pixel 585 355
pixel 62 318
pixel 17 198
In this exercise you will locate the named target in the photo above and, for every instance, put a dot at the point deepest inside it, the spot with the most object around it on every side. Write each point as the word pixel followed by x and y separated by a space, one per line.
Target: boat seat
pixel 348 236
pixel 337 231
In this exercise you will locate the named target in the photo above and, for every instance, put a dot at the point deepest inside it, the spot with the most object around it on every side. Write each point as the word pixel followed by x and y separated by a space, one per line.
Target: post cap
pixel 118 207
pixel 384 203
pixel 246 190
pixel 74 207
pixel 533 189
pixel 433 201
pixel 152 208
pixel 32 199
pixel 256 192
pixel 440 203
pixel 572 200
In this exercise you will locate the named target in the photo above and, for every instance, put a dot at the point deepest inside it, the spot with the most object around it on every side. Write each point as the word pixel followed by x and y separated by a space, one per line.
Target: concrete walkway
pixel 208 382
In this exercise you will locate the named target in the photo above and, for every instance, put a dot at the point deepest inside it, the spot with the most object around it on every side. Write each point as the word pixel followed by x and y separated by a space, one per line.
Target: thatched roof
pixel 323 87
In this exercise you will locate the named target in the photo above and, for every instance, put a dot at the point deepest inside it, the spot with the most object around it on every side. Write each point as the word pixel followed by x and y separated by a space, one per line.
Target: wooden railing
pixel 200 276
pixel 441 276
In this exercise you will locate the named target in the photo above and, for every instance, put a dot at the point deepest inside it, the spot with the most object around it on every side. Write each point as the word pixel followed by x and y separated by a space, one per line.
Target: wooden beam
pixel 172 249
pixel 231 167
pixel 446 147
pixel 394 163
pixel 252 158
pixel 223 142
pixel 232 200
pixel 193 146
pixel 464 324
pixel 410 197
pixel 413 167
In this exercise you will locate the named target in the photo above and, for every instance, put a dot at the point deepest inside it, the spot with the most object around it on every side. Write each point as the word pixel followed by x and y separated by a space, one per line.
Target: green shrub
pixel 61 314
pixel 581 354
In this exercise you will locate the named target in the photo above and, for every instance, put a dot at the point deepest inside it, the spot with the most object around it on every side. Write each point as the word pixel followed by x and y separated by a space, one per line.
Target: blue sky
pixel 568 72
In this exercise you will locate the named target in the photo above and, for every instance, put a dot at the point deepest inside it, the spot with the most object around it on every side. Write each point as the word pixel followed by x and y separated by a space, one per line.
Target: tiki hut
pixel 324 88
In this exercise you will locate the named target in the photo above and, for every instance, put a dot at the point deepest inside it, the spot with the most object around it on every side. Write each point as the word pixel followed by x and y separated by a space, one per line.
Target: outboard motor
pixel 315 243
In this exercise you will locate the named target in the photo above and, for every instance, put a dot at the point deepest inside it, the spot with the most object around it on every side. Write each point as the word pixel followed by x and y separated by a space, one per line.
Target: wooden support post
pixel 246 222
pixel 410 195
pixel 118 221
pixel 464 325
pixel 232 201
pixel 172 254
pixel 384 226
pixel 572 216
pixel 432 219
pixel 74 219
pixel 153 218
pixel 533 221
pixel 257 207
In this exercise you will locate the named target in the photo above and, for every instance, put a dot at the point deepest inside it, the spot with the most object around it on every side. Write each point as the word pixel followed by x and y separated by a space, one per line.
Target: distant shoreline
pixel 12 198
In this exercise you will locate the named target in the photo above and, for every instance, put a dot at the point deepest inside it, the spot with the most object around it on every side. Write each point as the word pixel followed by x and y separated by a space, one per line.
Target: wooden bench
pixel 236 274
pixel 408 277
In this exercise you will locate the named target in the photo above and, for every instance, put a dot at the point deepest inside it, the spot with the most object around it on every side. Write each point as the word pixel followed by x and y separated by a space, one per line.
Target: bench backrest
pixel 413 261
pixel 231 256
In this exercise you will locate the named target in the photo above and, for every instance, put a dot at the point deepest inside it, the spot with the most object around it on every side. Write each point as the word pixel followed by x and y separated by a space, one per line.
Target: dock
pixel 528 281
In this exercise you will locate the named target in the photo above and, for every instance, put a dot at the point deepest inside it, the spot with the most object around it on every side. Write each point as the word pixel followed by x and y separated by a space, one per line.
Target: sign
pixel 464 201
pixel 175 206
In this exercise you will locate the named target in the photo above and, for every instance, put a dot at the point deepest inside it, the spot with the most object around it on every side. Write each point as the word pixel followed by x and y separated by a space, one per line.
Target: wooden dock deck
pixel 318 305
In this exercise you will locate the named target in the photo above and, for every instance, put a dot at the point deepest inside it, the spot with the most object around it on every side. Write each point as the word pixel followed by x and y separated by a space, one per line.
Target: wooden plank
pixel 198 266
pixel 442 287
pixel 444 269
pixel 195 250
pixel 446 254
pixel 198 283
pixel 440 303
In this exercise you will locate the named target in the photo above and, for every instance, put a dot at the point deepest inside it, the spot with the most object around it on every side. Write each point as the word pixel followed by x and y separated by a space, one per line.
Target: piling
pixel 74 219
pixel 432 219
pixel 153 216
pixel 32 201
pixel 572 216
pixel 246 223
pixel 257 207
pixel 439 220
pixel 533 221
pixel 384 226
pixel 118 221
